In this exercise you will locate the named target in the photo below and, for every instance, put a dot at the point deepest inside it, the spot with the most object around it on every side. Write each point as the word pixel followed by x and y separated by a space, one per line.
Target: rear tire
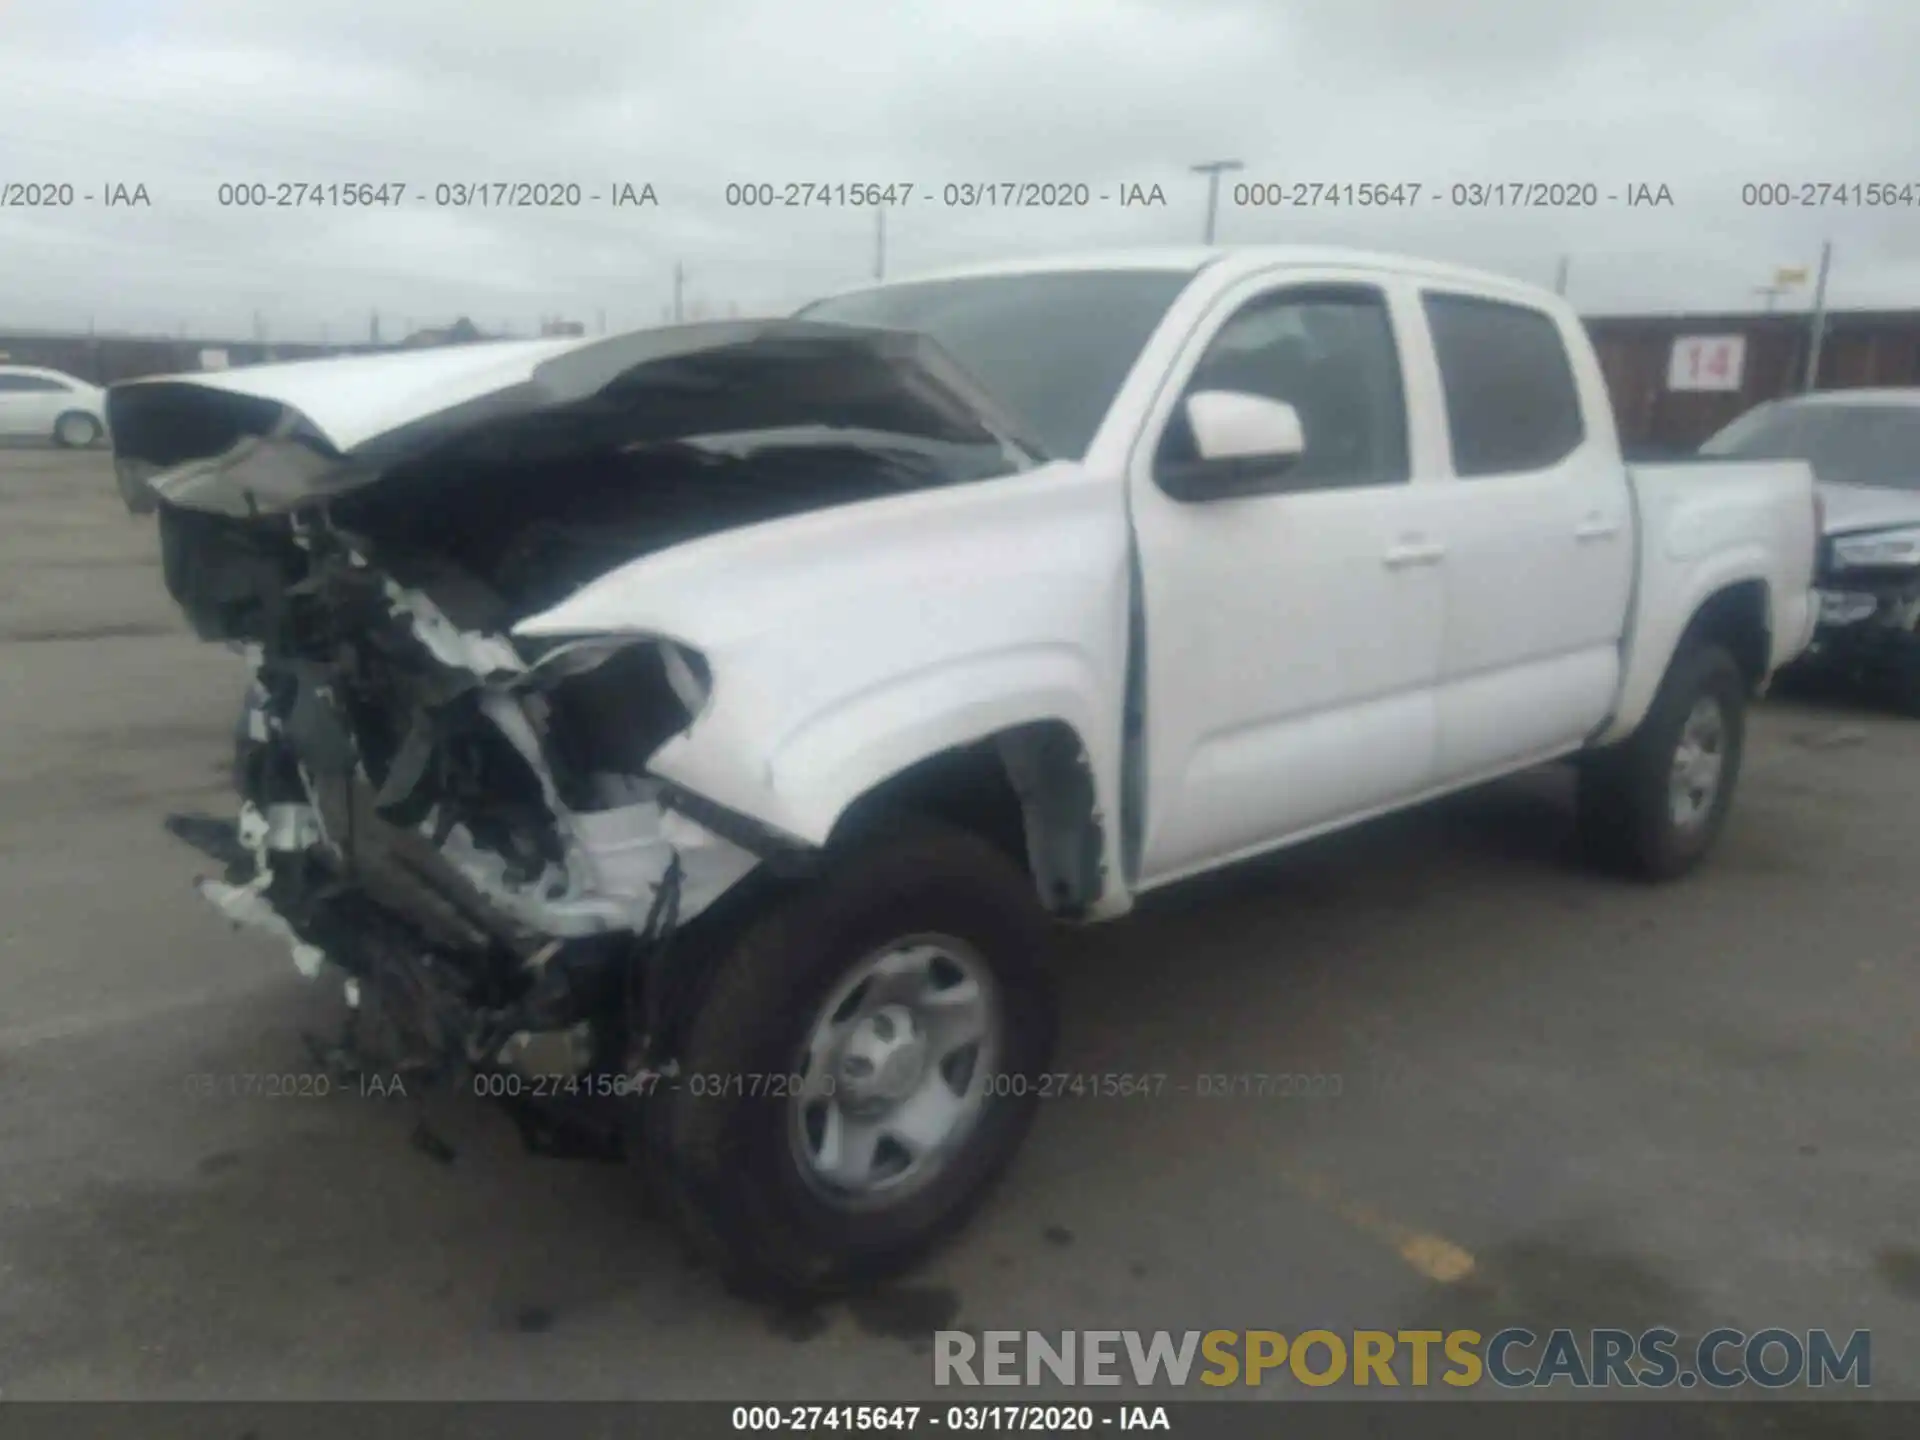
pixel 76 431
pixel 734 1148
pixel 1653 806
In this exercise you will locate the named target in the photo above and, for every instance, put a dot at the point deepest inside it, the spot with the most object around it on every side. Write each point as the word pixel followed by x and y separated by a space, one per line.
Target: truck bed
pixel 1702 523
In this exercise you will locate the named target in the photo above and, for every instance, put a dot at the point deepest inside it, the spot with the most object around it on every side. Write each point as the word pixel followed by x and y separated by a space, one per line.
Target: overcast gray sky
pixel 179 96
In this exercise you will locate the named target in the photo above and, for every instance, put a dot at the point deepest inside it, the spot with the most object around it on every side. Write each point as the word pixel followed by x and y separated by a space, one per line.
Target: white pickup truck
pixel 699 727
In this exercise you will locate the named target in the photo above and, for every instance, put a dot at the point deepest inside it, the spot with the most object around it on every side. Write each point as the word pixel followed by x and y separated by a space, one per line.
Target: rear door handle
pixel 1596 527
pixel 1414 550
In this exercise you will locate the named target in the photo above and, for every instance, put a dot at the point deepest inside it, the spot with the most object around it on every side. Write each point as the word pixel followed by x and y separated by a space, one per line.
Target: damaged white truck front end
pixel 604 867
pixel 555 647
pixel 473 900
pixel 729 708
pixel 411 813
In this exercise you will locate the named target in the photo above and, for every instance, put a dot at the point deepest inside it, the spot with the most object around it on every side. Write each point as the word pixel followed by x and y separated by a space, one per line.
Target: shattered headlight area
pixel 469 839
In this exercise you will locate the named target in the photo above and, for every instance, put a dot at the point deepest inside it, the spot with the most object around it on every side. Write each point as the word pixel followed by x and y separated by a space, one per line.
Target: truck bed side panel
pixel 1702 529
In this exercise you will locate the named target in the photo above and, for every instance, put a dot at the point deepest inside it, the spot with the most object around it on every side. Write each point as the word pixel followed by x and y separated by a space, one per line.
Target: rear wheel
pixel 1653 806
pixel 76 431
pixel 863 1067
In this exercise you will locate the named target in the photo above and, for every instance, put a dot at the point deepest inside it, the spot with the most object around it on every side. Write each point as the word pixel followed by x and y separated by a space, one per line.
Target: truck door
pixel 1292 631
pixel 1538 526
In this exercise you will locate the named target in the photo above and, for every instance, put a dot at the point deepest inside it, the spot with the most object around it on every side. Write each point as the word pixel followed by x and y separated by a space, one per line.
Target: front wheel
pixel 863 1067
pixel 1653 806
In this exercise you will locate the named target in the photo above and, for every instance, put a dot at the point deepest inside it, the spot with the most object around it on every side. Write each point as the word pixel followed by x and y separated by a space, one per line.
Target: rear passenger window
pixel 1511 401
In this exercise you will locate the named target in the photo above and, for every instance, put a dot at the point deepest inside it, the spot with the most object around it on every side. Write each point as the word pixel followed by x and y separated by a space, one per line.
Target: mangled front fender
pixel 844 646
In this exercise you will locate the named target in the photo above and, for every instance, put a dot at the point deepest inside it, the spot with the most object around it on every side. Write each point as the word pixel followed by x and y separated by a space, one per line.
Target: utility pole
pixel 373 328
pixel 679 290
pixel 1772 292
pixel 1213 169
pixel 879 242
pixel 600 321
pixel 1560 275
pixel 1819 317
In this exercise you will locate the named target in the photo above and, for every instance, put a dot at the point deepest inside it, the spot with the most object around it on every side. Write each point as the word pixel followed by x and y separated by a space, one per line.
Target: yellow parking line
pixel 1438 1259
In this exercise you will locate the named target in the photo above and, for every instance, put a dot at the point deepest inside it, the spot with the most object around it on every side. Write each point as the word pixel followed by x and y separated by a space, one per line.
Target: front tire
pixel 1653 806
pixel 906 983
pixel 76 431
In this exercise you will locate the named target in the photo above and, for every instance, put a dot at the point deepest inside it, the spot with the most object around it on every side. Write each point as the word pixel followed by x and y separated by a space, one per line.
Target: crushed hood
pixel 1854 508
pixel 271 438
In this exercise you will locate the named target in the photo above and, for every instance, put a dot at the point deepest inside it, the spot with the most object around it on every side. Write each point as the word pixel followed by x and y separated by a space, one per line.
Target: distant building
pixel 553 329
pixel 104 358
pixel 1675 379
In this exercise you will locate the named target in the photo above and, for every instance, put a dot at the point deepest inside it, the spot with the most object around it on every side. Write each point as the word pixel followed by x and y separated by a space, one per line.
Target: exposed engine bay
pixel 466 831
pixel 460 821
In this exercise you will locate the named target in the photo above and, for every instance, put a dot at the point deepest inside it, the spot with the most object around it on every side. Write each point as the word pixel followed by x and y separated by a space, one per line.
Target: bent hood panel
pixel 268 438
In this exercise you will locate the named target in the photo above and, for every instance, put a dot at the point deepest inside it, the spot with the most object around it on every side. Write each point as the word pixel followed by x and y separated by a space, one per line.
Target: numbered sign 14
pixel 1707 362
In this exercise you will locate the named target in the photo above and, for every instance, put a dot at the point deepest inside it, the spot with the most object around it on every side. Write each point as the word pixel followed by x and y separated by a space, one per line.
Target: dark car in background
pixel 1864 448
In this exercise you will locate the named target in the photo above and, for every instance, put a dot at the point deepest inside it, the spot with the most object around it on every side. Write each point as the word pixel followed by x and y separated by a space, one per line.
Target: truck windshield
pixel 1053 348
pixel 1845 444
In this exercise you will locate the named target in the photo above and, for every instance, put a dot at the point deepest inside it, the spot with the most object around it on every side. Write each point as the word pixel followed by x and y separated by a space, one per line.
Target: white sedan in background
pixel 40 404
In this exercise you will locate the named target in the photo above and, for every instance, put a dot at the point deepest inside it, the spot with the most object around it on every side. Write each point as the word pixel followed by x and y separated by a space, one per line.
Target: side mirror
pixel 1244 444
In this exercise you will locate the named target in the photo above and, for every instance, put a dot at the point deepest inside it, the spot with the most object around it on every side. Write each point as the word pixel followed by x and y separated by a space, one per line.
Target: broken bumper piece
pixel 247 907
pixel 630 850
pixel 287 829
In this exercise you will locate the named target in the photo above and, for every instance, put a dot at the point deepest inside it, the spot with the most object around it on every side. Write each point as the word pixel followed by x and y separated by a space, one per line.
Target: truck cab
pixel 1445 580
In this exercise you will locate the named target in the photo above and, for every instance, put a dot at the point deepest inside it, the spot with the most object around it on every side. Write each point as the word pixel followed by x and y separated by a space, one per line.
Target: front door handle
pixel 1596 527
pixel 1414 550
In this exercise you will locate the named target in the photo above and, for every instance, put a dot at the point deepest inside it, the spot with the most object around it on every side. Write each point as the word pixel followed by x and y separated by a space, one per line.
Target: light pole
pixel 1819 318
pixel 1213 169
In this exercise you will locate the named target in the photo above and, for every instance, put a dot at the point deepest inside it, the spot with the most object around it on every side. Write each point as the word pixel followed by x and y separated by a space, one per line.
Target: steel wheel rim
pixel 76 430
pixel 1699 762
pixel 895 1071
